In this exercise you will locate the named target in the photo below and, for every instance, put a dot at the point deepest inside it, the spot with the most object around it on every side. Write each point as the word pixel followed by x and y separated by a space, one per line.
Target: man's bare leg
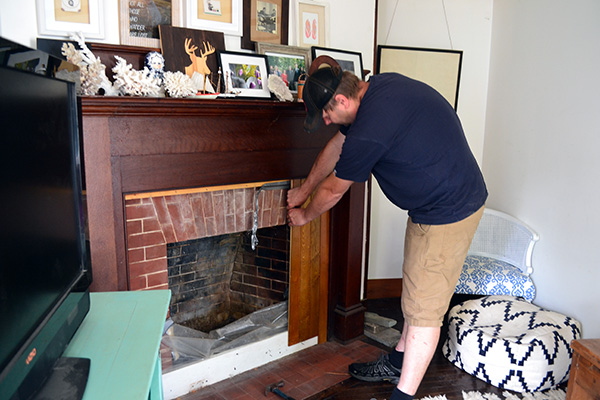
pixel 418 345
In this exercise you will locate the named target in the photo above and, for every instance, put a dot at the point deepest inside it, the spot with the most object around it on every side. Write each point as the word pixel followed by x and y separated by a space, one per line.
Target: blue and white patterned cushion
pixel 488 276
pixel 510 343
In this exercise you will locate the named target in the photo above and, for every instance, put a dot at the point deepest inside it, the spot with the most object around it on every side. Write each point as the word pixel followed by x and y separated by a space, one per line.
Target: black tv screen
pixel 42 295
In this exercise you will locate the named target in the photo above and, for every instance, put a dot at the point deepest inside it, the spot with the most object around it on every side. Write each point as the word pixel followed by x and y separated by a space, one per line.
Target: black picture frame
pixel 348 60
pixel 439 68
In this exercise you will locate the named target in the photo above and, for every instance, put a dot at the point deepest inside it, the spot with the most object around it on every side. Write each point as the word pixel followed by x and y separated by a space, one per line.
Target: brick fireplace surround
pixel 152 221
pixel 143 145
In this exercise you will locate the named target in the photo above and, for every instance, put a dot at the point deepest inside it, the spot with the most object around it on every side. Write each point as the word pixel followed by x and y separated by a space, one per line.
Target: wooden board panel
pixel 309 264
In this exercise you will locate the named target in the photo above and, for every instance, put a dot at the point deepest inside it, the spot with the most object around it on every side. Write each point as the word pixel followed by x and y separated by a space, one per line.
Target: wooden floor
pixel 321 373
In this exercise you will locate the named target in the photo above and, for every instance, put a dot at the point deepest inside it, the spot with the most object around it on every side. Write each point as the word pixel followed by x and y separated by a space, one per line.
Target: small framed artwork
pixel 140 19
pixel 438 68
pixel 348 60
pixel 265 21
pixel 190 50
pixel 214 15
pixel 313 23
pixel 62 17
pixel 245 74
pixel 287 62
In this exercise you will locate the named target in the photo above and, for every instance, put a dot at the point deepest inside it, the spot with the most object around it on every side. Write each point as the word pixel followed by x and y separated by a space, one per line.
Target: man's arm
pixel 322 167
pixel 328 194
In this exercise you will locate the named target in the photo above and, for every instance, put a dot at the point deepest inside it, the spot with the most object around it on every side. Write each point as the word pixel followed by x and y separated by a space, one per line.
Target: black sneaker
pixel 376 371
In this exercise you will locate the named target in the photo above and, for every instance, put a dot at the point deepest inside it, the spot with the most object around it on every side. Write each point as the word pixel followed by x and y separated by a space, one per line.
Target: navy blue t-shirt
pixel 411 139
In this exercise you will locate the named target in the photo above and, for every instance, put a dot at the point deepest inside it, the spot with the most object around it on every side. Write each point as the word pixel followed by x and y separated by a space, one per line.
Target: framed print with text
pixel 214 15
pixel 63 17
pixel 438 68
pixel 139 20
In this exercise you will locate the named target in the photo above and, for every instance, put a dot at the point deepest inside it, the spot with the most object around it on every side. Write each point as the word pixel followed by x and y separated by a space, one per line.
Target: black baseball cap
pixel 321 84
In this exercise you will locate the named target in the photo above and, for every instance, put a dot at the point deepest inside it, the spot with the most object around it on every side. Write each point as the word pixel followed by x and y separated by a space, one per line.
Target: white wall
pixel 542 138
pixel 450 24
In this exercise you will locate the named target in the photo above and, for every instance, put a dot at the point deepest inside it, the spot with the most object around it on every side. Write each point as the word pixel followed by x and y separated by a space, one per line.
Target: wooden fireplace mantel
pixel 137 145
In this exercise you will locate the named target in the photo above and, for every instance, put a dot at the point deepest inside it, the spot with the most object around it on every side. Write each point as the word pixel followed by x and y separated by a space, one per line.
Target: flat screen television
pixel 44 271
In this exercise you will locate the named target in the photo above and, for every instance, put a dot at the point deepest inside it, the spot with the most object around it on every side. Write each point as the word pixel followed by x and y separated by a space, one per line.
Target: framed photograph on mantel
pixel 348 60
pixel 139 20
pixel 245 74
pixel 313 23
pixel 61 18
pixel 287 62
pixel 439 68
pixel 214 15
pixel 265 21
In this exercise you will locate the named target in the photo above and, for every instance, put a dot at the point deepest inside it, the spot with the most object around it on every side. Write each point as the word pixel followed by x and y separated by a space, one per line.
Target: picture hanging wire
pixel 445 18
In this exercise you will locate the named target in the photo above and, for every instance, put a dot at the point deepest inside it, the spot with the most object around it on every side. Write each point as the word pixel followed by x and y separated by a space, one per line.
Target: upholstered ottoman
pixel 510 343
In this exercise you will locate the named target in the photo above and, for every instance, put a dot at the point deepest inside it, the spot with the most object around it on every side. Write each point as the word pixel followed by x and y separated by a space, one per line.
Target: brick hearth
pixel 152 221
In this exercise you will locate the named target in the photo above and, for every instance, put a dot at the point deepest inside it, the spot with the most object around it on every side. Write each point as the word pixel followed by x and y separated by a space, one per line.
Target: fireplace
pixel 217 280
pixel 140 146
pixel 222 251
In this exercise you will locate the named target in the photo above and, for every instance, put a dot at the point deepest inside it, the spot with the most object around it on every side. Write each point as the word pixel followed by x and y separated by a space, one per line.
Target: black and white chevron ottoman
pixel 510 343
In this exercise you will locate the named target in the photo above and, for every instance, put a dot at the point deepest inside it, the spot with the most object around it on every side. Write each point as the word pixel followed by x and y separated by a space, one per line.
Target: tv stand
pixel 121 336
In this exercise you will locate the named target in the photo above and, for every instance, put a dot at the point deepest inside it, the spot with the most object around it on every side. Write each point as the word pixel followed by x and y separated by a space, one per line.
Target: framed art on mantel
pixel 214 15
pixel 61 18
pixel 191 50
pixel 139 20
pixel 287 62
pixel 313 23
pixel 348 60
pixel 439 68
pixel 245 74
pixel 265 21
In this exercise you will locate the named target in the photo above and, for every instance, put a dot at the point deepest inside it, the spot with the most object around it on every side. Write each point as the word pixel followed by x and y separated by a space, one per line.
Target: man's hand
pixel 296 197
pixel 297 217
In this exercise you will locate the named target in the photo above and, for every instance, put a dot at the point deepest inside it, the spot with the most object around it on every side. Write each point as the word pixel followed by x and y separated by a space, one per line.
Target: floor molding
pixel 383 288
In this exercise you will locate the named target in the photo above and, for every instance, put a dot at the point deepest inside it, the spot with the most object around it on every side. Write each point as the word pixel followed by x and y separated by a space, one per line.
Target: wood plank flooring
pixel 321 373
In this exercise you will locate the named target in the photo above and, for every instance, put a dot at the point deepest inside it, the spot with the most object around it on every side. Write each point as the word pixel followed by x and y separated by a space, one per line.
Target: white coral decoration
pixel 134 83
pixel 178 84
pixel 93 76
pixel 279 88
pixel 90 80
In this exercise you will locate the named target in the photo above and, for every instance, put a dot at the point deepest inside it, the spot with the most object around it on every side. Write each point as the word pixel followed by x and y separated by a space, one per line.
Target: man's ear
pixel 342 100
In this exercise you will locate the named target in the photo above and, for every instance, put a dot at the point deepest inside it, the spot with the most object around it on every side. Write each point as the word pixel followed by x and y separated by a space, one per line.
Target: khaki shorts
pixel 433 259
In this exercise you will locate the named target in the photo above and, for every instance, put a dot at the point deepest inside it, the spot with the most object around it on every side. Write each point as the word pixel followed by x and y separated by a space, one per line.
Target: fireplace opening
pixel 224 293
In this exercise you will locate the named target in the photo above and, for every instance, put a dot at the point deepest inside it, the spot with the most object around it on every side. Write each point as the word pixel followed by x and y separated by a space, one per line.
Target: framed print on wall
pixel 265 21
pixel 139 20
pixel 214 15
pixel 438 68
pixel 287 62
pixel 348 60
pixel 62 17
pixel 245 74
pixel 313 23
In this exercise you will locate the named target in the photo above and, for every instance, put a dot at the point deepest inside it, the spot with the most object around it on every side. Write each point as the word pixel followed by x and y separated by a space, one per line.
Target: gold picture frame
pixel 265 21
pixel 313 23
pixel 214 15
pixel 282 57
pixel 139 20
pixel 58 19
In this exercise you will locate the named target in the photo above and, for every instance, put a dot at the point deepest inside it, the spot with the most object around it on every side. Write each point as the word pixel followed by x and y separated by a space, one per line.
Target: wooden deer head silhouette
pixel 198 62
